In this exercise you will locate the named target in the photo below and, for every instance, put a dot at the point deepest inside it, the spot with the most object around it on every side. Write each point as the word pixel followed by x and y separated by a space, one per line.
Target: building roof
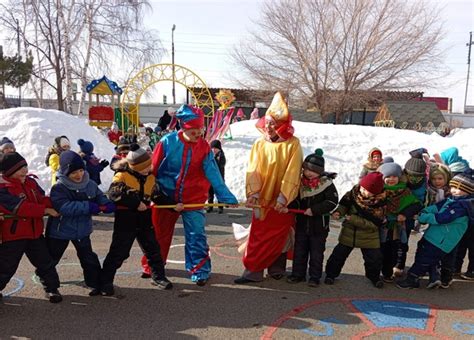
pixel 103 86
pixel 411 112
pixel 242 95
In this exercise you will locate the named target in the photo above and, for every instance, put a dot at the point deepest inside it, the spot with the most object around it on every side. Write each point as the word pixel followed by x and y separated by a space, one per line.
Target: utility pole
pixel 19 57
pixel 469 44
pixel 2 97
pixel 172 62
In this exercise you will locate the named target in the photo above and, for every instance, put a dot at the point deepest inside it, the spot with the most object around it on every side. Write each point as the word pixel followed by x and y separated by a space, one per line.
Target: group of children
pixel 379 213
pixel 73 200
pixel 75 197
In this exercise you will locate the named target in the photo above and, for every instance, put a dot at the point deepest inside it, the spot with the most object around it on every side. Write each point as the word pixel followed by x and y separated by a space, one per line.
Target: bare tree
pixel 76 40
pixel 333 54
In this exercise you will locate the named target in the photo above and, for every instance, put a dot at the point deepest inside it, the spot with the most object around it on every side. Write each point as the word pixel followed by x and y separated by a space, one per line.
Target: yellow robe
pixel 54 165
pixel 274 168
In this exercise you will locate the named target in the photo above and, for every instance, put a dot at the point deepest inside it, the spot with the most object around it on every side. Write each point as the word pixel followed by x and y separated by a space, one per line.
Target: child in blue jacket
pixel 94 165
pixel 76 198
pixel 448 221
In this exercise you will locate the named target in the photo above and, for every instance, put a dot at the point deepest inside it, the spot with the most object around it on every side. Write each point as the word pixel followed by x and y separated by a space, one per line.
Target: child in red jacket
pixel 21 196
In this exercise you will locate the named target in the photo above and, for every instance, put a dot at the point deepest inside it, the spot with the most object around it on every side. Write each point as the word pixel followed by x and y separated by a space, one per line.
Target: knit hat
pixel 440 169
pixel 86 146
pixel 6 143
pixel 388 159
pixel 216 144
pixel 122 147
pixel 11 163
pixel 372 182
pixel 390 169
pixel 416 165
pixel 138 159
pixel 464 182
pixel 70 161
pixel 190 117
pixel 315 161
pixel 62 141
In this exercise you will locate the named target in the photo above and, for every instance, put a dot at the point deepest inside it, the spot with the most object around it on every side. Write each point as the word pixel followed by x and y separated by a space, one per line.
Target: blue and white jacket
pixel 71 200
pixel 448 220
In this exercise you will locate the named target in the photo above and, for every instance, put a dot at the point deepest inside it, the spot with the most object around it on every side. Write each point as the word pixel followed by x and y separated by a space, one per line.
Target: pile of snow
pixel 345 146
pixel 33 131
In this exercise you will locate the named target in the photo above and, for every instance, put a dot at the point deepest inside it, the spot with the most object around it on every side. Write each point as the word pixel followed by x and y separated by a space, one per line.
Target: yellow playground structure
pixel 150 75
pixel 104 96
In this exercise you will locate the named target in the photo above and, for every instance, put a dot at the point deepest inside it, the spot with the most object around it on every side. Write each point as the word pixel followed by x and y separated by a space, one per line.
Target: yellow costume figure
pixel 273 178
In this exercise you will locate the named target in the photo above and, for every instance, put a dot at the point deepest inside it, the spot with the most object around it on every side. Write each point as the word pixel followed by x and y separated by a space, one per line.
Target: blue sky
pixel 207 30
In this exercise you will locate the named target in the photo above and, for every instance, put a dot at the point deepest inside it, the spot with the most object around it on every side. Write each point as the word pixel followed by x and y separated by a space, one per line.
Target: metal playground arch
pixel 151 75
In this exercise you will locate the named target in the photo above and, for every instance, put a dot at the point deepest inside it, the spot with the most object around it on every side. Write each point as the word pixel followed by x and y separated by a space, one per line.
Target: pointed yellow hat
pixel 278 109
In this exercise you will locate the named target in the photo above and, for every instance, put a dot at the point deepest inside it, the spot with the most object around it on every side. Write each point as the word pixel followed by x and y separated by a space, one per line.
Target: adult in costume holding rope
pixel 272 181
pixel 184 166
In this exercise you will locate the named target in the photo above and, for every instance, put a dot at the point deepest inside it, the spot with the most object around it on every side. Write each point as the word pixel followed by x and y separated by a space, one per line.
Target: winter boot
pixel 54 296
pixel 411 281
pixel 164 283
pixel 469 275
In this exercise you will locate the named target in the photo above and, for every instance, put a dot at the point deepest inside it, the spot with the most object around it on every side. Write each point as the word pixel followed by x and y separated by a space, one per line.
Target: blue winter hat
pixel 69 161
pixel 390 169
pixel 86 146
pixel 6 143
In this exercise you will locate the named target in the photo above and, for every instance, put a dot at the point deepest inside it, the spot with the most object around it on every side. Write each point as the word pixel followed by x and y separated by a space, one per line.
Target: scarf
pixel 312 187
pixel 435 195
pixel 371 165
pixel 398 197
pixel 370 208
pixel 71 185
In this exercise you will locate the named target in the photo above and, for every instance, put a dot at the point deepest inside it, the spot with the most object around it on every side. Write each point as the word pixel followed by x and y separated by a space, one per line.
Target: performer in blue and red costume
pixel 184 166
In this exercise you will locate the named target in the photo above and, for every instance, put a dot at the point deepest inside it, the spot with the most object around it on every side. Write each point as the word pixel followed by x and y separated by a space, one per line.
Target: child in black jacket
pixel 133 189
pixel 219 157
pixel 318 197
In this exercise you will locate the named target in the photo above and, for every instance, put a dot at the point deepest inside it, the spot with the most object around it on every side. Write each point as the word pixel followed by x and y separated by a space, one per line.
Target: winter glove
pixel 108 208
pixel 94 208
pixel 104 163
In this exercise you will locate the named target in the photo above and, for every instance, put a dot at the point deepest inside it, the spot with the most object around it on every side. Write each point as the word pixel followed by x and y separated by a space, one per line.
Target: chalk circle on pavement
pixel 19 284
pixel 175 261
pixel 37 281
pixel 217 249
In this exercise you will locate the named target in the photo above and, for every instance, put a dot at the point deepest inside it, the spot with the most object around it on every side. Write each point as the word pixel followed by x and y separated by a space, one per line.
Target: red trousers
pixel 163 232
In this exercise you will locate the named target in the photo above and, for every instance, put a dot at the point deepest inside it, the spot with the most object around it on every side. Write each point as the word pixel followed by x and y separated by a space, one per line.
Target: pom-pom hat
pixel 138 159
pixel 315 161
pixel 85 146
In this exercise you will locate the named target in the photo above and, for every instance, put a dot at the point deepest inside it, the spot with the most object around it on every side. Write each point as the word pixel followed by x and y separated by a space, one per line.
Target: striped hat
pixel 138 159
pixel 464 182
pixel 11 163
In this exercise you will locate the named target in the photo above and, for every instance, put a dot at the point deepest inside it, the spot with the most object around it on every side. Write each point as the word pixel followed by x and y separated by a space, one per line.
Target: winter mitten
pixel 104 163
pixel 94 208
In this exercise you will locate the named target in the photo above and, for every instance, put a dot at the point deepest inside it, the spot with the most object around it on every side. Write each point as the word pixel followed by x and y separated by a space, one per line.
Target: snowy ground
pixel 345 146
